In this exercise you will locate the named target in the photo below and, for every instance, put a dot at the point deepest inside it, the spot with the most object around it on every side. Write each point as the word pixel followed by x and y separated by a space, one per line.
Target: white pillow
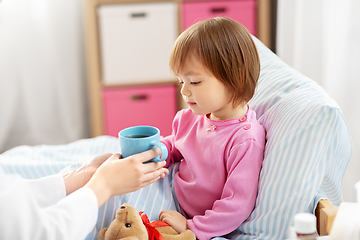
pixel 307 151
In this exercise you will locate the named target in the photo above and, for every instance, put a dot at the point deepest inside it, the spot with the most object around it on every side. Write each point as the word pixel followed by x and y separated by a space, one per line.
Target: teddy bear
pixel 129 224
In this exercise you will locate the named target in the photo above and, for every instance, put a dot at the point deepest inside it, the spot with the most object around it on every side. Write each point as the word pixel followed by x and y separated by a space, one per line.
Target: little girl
pixel 218 139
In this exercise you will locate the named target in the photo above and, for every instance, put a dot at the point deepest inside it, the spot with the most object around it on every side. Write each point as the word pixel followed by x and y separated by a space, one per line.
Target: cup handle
pixel 164 152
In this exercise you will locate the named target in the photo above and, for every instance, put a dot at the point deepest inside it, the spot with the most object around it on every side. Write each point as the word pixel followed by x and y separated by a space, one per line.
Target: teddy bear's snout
pixel 124 206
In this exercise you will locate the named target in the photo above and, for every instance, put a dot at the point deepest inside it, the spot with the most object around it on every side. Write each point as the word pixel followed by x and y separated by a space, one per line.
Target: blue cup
pixel 139 139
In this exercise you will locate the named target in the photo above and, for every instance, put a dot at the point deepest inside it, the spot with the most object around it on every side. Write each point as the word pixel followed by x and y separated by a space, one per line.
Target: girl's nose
pixel 185 91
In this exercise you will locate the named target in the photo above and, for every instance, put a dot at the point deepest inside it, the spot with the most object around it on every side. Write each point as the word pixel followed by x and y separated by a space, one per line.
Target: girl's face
pixel 203 92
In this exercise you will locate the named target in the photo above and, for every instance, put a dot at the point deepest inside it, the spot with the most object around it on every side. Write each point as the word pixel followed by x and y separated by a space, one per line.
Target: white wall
pixel 43 89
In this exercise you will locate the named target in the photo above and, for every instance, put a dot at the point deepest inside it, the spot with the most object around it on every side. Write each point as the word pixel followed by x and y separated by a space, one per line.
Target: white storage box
pixel 136 40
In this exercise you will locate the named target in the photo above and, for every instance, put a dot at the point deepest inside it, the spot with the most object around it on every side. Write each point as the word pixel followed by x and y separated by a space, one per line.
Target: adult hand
pixel 119 176
pixel 79 177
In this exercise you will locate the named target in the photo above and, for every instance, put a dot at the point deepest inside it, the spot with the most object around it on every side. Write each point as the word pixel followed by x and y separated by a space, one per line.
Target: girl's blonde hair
pixel 226 49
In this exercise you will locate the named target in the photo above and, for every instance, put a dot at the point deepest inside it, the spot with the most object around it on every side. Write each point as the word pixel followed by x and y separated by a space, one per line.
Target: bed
pixel 308 148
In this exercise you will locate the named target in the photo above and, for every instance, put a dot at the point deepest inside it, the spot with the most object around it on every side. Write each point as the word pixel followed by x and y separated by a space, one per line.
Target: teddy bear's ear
pixel 101 234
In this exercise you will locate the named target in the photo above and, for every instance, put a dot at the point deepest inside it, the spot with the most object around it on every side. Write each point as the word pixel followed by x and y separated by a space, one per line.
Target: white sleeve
pixel 48 190
pixel 22 217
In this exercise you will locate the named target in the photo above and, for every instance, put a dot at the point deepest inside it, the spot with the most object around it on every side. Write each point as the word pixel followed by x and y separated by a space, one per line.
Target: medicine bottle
pixel 305 226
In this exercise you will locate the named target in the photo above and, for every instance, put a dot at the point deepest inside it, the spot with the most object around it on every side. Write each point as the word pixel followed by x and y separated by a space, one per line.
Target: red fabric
pixel 151 227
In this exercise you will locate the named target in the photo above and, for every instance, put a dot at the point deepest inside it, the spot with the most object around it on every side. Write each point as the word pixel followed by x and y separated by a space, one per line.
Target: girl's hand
pixel 175 219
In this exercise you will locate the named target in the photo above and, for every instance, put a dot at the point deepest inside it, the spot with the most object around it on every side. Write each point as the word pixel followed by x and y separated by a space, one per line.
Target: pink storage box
pixel 125 107
pixel 243 11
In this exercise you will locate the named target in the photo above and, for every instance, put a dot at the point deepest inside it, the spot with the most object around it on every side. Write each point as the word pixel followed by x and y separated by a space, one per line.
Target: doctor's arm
pixel 74 216
pixel 50 189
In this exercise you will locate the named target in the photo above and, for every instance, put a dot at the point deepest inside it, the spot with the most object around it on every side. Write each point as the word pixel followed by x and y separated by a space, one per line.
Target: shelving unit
pixel 128 43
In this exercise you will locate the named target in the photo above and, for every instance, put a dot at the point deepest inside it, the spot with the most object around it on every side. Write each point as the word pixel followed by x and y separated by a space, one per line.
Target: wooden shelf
pixel 93 54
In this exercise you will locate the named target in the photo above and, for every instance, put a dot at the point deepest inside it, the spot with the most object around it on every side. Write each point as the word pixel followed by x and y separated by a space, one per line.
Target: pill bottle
pixel 292 233
pixel 305 226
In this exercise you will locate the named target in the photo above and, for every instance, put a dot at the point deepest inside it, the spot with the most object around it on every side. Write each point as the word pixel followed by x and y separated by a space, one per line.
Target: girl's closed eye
pixel 195 83
pixel 180 81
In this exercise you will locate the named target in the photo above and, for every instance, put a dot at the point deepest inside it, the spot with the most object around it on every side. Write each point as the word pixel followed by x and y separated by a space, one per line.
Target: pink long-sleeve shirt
pixel 217 181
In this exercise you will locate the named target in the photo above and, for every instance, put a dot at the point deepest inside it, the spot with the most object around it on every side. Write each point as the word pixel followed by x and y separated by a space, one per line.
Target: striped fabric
pixel 307 151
